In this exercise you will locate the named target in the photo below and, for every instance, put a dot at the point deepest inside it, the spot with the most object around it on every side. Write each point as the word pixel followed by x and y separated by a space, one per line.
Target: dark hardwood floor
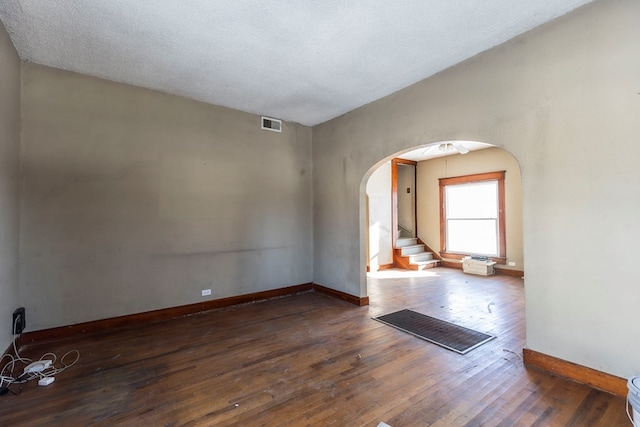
pixel 310 359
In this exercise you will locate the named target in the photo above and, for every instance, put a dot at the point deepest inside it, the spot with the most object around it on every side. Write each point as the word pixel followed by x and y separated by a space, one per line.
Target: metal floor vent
pixel 273 125
pixel 445 334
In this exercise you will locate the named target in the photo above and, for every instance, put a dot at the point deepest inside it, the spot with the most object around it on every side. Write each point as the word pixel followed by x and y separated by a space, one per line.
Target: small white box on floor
pixel 477 266
pixel 46 381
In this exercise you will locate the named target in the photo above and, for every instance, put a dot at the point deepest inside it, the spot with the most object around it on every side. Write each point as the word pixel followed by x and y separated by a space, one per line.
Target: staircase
pixel 411 255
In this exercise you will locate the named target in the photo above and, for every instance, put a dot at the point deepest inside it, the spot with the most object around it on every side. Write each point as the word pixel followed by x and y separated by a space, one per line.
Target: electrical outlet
pixel 19 321
pixel 206 292
pixel 512 264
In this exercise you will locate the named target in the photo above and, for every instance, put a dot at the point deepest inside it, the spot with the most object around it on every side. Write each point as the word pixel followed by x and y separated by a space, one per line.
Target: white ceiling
pixel 301 60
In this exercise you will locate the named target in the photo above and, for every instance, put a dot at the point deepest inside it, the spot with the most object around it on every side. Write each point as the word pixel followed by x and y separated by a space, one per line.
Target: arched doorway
pixel 433 162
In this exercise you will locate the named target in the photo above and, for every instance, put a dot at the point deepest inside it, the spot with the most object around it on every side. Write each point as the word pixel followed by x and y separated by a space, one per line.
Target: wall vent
pixel 274 125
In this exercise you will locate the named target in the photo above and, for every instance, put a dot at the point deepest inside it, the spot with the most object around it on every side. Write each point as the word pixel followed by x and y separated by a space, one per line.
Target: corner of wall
pixel 9 183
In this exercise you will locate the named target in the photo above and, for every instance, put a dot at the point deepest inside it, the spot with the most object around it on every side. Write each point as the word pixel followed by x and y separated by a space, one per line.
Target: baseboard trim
pixel 381 267
pixel 360 301
pixel 596 379
pixel 452 264
pixel 500 271
pixel 507 272
pixel 65 332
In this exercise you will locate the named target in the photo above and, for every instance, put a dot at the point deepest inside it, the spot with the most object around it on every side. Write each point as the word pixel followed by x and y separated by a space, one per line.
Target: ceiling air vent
pixel 274 125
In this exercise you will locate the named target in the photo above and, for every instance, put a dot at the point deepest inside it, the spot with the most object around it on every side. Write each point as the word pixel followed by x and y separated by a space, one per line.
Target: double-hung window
pixel 472 220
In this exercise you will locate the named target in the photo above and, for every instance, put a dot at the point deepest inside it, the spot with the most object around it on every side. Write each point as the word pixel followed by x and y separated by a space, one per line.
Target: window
pixel 472 216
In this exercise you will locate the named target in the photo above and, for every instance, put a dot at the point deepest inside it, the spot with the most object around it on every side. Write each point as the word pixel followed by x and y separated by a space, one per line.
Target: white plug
pixel 37 366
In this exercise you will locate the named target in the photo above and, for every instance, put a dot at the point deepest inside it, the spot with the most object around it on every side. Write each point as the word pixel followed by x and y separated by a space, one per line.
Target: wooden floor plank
pixel 310 359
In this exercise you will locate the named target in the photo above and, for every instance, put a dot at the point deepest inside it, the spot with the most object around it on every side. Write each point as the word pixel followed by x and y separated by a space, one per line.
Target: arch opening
pixel 434 160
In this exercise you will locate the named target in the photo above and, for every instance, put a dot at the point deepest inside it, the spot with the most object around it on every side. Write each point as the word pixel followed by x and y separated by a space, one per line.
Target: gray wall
pixel 133 200
pixel 9 183
pixel 563 99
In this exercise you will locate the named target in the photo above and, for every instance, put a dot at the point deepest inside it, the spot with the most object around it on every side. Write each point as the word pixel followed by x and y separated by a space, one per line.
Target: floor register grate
pixel 445 334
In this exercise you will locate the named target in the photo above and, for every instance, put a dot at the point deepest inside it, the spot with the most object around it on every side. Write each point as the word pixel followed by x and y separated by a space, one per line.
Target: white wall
pixel 564 100
pixel 133 200
pixel 9 184
pixel 379 205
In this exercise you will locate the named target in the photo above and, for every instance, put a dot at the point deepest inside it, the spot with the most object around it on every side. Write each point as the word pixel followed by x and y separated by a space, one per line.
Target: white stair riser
pixel 423 256
pixel 405 242
pixel 410 250
pixel 429 262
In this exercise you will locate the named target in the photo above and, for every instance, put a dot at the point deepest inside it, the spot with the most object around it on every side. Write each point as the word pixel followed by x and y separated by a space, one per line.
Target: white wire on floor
pixel 9 375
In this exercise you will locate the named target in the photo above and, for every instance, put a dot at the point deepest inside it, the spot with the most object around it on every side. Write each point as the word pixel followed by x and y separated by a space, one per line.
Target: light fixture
pixel 445 147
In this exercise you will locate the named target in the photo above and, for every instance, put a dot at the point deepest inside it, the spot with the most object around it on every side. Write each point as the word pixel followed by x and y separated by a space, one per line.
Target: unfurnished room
pixel 305 213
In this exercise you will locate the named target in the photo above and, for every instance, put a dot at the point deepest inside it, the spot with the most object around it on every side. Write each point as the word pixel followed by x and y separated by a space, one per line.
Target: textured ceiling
pixel 301 60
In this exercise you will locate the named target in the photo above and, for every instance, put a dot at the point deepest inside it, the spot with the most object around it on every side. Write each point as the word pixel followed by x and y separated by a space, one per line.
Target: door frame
pixel 394 198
